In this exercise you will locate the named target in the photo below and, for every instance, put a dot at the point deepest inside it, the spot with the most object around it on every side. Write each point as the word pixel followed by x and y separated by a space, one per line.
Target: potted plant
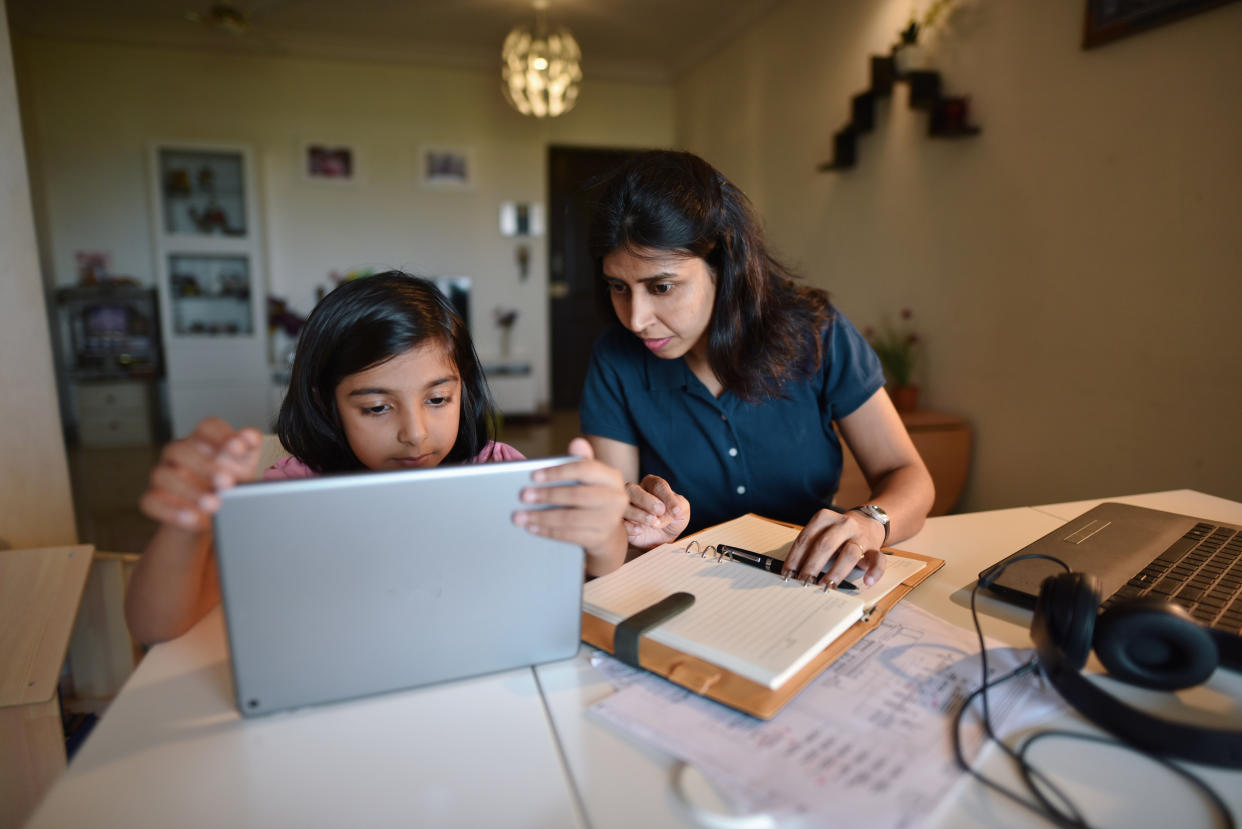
pixel 898 348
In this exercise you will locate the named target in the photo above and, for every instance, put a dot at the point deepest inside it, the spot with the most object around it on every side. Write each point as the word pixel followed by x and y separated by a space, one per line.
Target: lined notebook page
pixel 743 619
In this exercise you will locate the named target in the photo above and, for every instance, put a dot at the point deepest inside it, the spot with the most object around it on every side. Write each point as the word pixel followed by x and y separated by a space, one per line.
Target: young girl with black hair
pixel 385 377
pixel 725 377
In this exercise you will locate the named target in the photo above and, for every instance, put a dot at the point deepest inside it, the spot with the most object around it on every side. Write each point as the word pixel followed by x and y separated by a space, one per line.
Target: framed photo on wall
pixel 1108 20
pixel 445 168
pixel 324 161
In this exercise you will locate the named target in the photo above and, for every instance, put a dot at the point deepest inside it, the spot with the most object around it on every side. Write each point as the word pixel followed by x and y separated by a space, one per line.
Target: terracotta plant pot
pixel 905 398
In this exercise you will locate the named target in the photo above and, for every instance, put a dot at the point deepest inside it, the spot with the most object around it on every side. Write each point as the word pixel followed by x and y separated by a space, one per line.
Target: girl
pixel 725 378
pixel 385 377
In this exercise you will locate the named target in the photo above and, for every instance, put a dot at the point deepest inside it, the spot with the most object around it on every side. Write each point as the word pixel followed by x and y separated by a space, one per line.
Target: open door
pixel 574 289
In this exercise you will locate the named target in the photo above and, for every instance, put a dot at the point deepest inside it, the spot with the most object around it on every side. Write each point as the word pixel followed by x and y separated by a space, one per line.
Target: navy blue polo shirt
pixel 778 457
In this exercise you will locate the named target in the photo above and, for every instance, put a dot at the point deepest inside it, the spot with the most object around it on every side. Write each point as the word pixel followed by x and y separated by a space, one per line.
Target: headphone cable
pixel 1030 774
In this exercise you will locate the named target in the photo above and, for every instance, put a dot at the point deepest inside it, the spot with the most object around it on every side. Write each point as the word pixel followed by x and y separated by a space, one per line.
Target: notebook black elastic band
pixel 629 631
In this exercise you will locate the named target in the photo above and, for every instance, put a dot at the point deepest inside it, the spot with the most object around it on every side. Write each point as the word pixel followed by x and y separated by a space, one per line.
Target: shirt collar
pixel 665 375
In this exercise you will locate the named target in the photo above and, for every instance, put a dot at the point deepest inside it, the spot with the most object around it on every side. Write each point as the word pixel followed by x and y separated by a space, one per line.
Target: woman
pixel 723 381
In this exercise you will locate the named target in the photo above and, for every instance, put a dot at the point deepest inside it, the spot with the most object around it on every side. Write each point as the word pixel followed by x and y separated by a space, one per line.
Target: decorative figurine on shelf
pixel 283 328
pixel 523 261
pixel 908 52
pixel 281 316
pixel 210 219
pixel 338 277
pixel 207 180
pixel 177 183
pixel 505 319
pixel 898 349
pixel 185 284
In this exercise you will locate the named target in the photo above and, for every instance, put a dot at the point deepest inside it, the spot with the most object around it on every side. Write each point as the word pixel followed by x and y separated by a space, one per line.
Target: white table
pixel 173 751
pixel 610 770
pixel 516 749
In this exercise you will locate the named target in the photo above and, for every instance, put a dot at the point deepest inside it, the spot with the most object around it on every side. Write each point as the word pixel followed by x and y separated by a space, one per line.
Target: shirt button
pixel 724 417
pixel 741 490
pixel 732 451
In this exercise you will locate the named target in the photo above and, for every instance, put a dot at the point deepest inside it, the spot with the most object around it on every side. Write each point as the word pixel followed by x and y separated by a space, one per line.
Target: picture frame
pixel 443 167
pixel 330 162
pixel 1108 20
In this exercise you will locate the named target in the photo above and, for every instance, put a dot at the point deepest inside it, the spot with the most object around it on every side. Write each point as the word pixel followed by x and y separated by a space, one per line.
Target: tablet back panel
pixel 343 586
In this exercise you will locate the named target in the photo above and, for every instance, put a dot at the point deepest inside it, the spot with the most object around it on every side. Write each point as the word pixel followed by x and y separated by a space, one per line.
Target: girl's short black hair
pixel 766 326
pixel 360 324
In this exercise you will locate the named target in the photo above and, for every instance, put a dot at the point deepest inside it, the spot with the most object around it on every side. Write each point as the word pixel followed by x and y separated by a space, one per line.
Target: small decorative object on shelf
pixel 898 348
pixel 949 116
pixel 505 319
pixel 283 326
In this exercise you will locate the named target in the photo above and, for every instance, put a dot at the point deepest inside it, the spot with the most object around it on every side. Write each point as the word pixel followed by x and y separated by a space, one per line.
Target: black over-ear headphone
pixel 1147 642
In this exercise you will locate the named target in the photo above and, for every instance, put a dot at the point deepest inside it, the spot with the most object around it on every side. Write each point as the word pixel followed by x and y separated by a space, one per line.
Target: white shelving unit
pixel 212 289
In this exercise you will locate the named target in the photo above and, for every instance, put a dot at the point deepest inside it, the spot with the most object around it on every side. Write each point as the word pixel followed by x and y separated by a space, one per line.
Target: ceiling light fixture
pixel 541 68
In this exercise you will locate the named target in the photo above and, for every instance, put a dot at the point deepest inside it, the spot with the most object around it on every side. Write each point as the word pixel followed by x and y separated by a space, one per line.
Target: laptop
pixel 1135 551
pixel 350 585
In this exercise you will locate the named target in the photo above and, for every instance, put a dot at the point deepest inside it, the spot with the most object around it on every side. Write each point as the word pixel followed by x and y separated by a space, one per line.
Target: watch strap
pixel 877 515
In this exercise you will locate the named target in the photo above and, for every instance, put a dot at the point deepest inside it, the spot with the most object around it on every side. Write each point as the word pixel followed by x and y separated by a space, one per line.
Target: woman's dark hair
pixel 360 324
pixel 766 328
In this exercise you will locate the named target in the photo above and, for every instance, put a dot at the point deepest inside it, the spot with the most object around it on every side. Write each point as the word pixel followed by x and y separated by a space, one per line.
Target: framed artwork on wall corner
pixel 329 162
pixel 444 167
pixel 1108 20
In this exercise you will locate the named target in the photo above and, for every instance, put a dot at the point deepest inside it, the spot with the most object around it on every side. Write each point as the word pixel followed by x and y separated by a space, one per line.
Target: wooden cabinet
pixel 115 413
pixel 944 442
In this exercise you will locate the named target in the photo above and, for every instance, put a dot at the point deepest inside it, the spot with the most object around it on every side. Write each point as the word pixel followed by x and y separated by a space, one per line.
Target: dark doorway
pixel 576 313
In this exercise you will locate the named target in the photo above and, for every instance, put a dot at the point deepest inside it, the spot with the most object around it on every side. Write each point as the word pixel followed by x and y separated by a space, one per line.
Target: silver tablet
pixel 349 585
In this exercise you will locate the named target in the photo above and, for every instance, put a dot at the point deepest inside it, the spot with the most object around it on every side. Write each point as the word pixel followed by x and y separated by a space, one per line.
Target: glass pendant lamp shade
pixel 541 69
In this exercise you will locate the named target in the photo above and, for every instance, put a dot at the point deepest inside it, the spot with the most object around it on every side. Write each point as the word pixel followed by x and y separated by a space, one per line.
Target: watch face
pixel 876 512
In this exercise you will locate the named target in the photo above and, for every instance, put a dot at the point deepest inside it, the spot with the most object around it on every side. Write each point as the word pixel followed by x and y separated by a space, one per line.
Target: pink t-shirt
pixel 287 469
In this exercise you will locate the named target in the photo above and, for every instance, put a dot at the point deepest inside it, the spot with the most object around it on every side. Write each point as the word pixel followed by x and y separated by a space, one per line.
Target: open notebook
pixel 744 620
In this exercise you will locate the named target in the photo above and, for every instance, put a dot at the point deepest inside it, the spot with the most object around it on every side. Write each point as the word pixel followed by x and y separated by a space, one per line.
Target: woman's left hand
pixel 848 540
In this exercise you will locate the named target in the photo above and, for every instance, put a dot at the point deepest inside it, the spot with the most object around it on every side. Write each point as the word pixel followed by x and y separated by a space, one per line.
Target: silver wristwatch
pixel 877 513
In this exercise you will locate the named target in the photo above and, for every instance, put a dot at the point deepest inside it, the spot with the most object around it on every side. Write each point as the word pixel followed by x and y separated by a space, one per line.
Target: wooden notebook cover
pixel 724 686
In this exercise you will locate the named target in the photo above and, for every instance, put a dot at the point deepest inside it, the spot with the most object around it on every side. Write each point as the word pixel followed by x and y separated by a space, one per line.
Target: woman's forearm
pixel 906 494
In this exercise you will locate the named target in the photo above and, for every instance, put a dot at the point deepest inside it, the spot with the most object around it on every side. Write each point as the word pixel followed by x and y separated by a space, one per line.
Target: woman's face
pixel 664 297
pixel 404 412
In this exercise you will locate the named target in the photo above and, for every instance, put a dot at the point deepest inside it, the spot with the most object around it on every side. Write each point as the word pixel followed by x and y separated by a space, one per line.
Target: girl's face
pixel 404 412
pixel 665 298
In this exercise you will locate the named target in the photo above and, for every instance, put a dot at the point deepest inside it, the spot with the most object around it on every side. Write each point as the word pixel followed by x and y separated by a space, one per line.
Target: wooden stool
pixel 39 594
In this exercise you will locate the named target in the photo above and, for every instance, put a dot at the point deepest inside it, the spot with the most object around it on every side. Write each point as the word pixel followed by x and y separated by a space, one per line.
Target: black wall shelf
pixel 947 115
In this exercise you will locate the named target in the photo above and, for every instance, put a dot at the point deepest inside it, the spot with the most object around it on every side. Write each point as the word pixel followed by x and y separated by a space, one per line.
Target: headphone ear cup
pixel 1065 614
pixel 1155 643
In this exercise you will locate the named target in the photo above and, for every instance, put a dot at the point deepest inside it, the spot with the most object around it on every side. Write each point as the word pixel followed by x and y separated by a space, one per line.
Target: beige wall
pixel 1074 270
pixel 94 108
pixel 35 507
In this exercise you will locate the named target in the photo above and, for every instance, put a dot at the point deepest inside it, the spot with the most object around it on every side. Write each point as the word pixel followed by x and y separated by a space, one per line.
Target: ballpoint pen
pixel 766 562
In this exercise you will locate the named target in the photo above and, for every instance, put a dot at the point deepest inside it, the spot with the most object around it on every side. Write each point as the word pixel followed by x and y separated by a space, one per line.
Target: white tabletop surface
pixel 609 768
pixel 172 751
pixel 518 748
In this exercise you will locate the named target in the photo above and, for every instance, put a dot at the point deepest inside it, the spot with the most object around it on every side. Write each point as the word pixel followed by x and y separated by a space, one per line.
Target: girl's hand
pixel 656 514
pixel 587 513
pixel 848 540
pixel 190 472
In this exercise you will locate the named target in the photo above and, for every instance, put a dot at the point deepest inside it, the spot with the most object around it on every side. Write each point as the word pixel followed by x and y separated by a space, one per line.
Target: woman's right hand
pixel 190 471
pixel 656 514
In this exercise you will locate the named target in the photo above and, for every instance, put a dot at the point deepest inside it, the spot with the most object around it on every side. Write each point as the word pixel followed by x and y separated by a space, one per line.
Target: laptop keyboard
pixel 1202 571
